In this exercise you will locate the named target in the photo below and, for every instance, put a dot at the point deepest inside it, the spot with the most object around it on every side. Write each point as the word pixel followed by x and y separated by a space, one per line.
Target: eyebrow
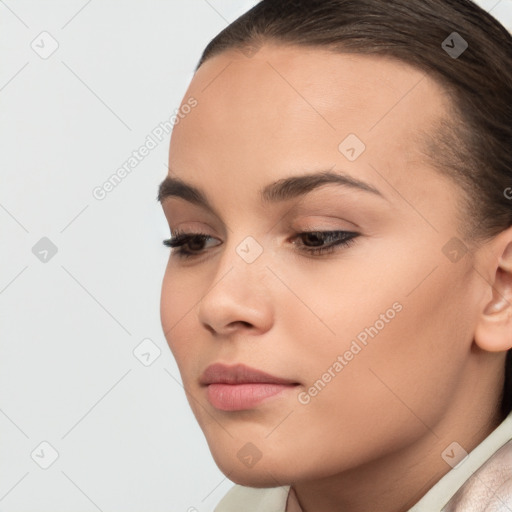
pixel 281 190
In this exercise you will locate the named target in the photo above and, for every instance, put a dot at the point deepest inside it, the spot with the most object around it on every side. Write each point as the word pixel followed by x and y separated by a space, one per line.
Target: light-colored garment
pixel 480 482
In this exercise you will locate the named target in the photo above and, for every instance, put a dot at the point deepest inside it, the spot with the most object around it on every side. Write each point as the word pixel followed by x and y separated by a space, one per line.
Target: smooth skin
pixel 373 438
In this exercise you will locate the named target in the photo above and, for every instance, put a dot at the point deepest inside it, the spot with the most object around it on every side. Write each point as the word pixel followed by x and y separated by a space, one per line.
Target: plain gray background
pixel 92 412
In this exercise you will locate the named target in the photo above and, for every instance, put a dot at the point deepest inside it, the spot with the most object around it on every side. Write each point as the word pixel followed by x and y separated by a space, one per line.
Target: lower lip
pixel 237 397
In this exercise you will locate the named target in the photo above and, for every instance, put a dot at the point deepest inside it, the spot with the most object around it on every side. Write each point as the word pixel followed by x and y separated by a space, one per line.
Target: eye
pixel 338 239
pixel 181 240
pixel 195 242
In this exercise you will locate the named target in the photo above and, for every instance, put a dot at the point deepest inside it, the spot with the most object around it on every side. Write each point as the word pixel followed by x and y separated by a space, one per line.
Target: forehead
pixel 289 107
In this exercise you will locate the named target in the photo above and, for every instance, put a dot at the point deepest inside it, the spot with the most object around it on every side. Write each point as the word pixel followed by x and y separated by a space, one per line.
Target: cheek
pixel 402 339
pixel 168 300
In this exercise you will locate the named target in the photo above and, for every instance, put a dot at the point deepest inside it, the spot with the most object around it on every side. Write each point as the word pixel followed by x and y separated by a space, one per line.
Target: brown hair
pixel 473 143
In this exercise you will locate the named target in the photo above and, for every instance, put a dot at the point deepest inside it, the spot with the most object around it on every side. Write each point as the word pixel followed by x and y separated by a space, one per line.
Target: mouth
pixel 240 387
pixel 239 397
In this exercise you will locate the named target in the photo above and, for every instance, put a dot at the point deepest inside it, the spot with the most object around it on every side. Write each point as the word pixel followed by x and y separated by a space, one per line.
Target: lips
pixel 219 373
pixel 240 387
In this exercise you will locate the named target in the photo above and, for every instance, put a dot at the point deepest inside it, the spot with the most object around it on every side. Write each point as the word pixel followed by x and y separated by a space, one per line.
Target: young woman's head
pixel 387 124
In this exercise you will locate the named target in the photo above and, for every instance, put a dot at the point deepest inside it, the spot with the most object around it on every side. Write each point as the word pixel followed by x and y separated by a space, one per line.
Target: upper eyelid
pixel 300 208
pixel 304 214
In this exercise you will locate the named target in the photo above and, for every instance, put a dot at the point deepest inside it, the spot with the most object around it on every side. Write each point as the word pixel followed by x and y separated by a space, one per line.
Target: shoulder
pixel 254 499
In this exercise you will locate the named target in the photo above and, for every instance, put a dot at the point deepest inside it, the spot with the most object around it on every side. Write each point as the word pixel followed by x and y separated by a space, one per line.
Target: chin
pixel 261 478
pixel 263 473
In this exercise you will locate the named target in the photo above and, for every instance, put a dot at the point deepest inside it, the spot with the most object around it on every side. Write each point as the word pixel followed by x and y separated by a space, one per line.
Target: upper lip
pixel 238 374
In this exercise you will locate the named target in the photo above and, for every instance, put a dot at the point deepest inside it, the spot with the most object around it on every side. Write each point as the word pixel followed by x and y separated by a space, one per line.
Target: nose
pixel 239 296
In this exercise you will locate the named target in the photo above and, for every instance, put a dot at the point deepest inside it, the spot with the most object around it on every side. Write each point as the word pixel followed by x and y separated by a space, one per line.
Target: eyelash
pixel 180 239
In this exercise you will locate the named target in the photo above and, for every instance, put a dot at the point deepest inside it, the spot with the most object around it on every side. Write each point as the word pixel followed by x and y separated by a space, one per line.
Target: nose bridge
pixel 244 260
pixel 239 291
pixel 250 250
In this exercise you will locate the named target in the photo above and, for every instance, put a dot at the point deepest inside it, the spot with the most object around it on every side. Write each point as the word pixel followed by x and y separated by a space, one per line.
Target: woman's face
pixel 377 333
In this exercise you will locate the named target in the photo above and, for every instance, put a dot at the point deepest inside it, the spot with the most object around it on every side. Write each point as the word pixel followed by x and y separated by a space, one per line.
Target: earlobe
pixel 494 327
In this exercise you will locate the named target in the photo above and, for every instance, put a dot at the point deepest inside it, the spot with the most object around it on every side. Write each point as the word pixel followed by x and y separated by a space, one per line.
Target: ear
pixel 494 326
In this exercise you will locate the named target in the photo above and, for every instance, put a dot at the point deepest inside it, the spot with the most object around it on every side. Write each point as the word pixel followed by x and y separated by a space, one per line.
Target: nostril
pixel 240 322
